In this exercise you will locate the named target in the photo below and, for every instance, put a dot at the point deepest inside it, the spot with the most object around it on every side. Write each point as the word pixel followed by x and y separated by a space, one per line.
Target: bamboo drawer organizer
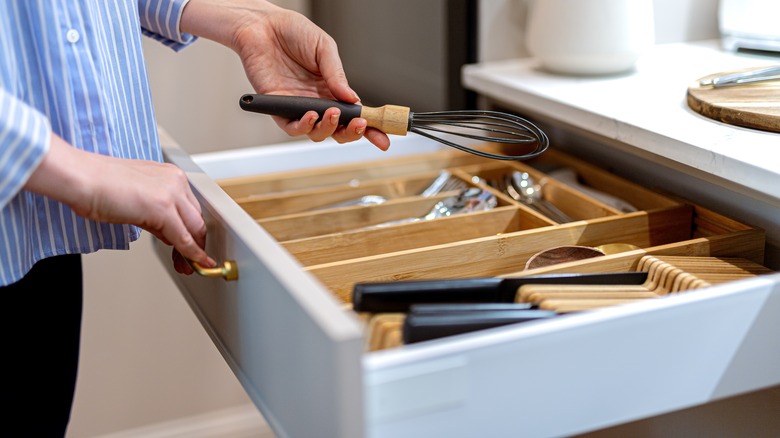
pixel 340 248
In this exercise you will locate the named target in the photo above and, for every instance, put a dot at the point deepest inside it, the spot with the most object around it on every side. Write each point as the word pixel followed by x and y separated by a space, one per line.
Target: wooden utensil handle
pixel 390 119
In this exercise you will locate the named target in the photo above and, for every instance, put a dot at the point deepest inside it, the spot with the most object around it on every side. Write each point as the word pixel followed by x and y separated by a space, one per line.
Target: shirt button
pixel 72 35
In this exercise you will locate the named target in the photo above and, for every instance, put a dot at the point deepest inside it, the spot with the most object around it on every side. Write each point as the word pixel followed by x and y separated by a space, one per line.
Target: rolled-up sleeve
pixel 161 19
pixel 25 136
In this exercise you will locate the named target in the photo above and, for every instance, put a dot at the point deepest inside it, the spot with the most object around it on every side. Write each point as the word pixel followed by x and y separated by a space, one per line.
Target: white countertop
pixel 646 109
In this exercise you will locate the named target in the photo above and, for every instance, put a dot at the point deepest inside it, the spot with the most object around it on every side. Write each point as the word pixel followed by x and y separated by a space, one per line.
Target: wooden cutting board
pixel 755 105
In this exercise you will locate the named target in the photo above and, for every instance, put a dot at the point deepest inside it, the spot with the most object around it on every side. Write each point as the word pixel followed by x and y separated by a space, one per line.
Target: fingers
pixel 183 226
pixel 353 131
pixel 188 235
pixel 378 138
pixel 333 71
pixel 180 264
pixel 328 126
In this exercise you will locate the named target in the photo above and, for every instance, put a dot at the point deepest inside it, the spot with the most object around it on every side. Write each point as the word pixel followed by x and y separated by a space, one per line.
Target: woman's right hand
pixel 154 196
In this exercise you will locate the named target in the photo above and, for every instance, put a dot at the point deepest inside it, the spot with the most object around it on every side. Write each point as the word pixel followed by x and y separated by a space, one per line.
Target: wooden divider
pixel 494 255
pixel 368 242
pixel 342 246
pixel 347 174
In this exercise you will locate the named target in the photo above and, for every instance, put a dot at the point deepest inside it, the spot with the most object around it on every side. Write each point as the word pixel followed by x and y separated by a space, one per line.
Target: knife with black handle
pixel 426 325
pixel 397 296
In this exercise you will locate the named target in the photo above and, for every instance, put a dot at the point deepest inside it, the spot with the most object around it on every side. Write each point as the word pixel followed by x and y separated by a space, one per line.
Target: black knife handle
pixel 399 295
pixel 423 327
pixel 450 308
pixel 294 107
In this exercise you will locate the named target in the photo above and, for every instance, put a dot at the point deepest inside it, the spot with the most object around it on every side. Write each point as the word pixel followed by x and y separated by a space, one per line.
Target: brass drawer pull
pixel 228 270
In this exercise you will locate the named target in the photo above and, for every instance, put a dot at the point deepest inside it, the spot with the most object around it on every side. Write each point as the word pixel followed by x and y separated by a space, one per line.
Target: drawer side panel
pixel 296 352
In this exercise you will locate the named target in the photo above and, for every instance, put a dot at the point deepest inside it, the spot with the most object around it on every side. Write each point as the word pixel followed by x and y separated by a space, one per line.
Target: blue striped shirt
pixel 75 68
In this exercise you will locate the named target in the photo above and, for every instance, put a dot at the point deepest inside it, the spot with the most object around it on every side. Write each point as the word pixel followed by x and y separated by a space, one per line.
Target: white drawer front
pixel 299 355
pixel 586 372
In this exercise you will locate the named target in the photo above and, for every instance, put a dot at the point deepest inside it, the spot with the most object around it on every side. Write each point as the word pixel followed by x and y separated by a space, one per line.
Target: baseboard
pixel 242 421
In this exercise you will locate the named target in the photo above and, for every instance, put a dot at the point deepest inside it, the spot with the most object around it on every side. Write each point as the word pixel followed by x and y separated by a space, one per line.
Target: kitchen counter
pixel 640 125
pixel 646 113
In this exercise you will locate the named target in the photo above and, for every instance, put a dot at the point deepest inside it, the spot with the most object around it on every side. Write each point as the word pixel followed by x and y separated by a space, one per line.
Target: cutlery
pixel 397 296
pixel 467 201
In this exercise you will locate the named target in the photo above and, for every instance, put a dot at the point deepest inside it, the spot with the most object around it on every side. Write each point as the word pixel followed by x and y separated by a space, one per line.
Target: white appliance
pixel 750 24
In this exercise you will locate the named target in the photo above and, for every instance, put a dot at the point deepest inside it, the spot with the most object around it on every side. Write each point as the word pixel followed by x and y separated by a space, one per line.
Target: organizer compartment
pixel 342 246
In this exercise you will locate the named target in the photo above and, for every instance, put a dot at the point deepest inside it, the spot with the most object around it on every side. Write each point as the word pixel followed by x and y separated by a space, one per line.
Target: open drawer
pixel 286 328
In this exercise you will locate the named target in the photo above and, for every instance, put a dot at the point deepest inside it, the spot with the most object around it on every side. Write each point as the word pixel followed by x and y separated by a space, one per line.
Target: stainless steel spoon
pixel 521 187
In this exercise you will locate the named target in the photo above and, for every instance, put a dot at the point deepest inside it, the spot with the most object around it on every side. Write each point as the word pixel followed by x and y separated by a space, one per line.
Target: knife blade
pixel 397 296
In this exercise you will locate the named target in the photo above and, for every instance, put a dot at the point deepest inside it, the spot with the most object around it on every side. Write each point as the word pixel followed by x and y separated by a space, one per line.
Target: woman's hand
pixel 154 196
pixel 283 53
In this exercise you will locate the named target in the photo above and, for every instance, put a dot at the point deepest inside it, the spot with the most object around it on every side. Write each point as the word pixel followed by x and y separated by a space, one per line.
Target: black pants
pixel 41 325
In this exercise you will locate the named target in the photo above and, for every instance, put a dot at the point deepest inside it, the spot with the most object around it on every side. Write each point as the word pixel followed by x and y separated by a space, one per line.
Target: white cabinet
pixel 300 354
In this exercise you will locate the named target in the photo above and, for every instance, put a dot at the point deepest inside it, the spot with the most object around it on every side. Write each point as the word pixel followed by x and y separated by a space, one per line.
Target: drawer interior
pixel 372 222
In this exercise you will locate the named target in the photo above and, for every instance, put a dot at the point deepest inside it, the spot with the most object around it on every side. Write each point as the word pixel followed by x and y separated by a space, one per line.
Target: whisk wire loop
pixel 488 126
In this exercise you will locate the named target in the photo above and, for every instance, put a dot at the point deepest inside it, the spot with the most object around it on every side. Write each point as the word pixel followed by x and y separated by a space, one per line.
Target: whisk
pixel 487 126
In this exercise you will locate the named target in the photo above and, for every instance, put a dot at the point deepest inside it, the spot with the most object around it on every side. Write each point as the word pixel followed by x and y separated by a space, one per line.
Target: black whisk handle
pixel 390 119
pixel 294 107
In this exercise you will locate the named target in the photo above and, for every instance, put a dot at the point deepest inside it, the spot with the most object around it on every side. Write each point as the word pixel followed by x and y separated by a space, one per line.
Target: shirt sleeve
pixel 25 136
pixel 161 19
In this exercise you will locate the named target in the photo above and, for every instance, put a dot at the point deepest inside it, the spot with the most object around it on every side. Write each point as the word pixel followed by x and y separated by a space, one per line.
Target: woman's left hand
pixel 283 52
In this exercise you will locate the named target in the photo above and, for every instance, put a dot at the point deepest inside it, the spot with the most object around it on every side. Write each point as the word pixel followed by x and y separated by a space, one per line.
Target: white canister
pixel 589 37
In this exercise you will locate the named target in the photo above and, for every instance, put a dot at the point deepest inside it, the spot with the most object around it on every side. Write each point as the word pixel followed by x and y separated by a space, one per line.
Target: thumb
pixel 334 75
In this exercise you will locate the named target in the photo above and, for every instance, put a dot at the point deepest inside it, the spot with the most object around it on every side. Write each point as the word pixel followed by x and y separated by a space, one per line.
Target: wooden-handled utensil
pixel 521 138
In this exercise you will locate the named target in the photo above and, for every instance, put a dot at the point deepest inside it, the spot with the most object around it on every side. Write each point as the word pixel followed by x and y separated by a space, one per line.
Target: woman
pixel 81 163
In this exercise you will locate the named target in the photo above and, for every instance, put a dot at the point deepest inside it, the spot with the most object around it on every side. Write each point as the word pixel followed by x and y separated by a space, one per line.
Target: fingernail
pixel 355 95
pixel 360 131
pixel 334 118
